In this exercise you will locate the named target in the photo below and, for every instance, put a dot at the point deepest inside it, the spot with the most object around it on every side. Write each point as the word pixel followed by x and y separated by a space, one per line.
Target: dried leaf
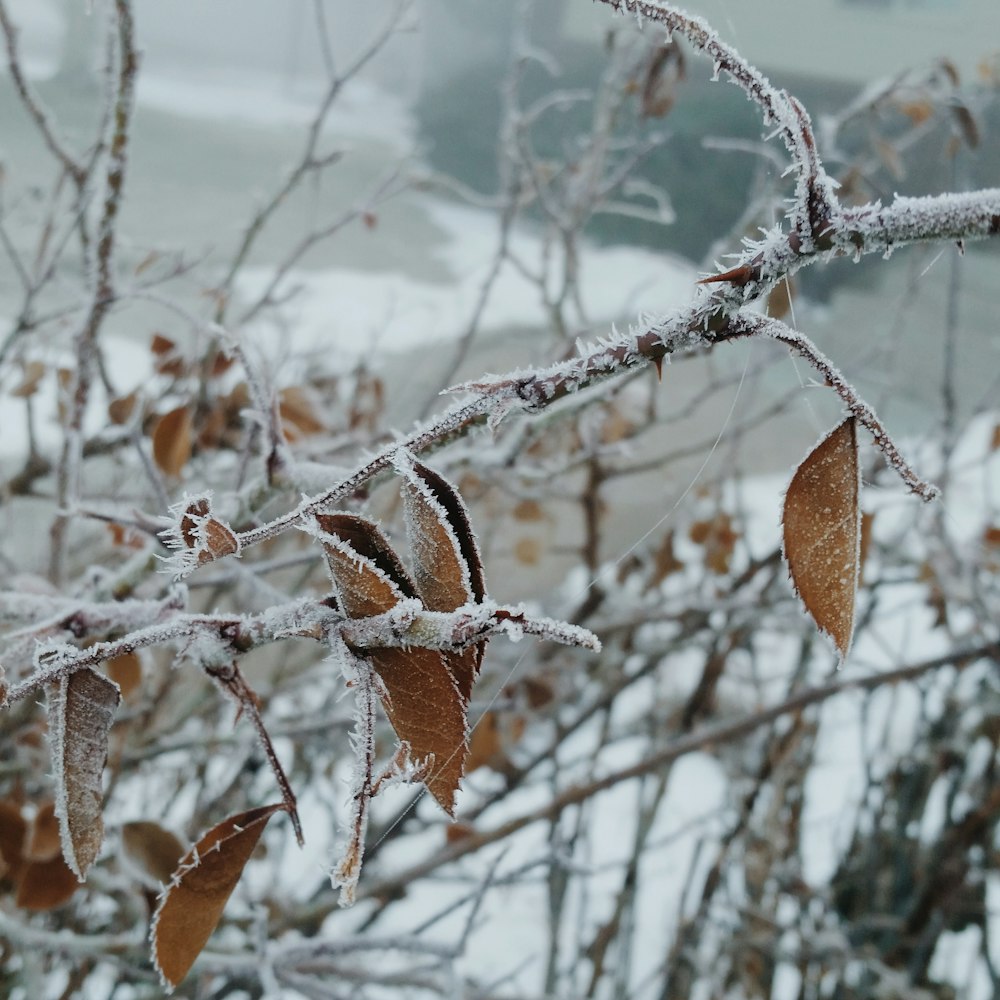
pixel 43 842
pixel 428 713
pixel 665 562
pixel 528 551
pixel 167 358
pixel 126 672
pixel 120 410
pixel 822 533
pixel 172 440
pixel 528 510
pixel 155 851
pixel 44 885
pixel 446 562
pixel 192 905
pixel 665 71
pixel 363 565
pixel 718 537
pixel 81 709
pixel 917 111
pixel 34 371
pixel 456 832
pixel 211 537
pixel 447 567
pixel 966 124
pixel 221 363
pixel 421 698
pixel 297 413
pixel 13 829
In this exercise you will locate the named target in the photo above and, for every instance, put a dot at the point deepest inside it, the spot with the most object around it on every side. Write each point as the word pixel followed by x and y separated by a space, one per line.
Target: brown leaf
pixel 421 698
pixel 44 885
pixel 528 510
pixel 172 440
pixel 81 709
pixel 211 537
pixel 966 124
pixel 664 72
pixel 13 829
pixel 665 561
pixel 120 410
pixel 154 850
pixel 917 111
pixel 192 905
pixel 126 672
pixel 528 551
pixel 34 371
pixel 194 514
pixel 718 537
pixel 368 574
pixel 865 542
pixel 221 363
pixel 822 533
pixel 297 413
pixel 167 359
pixel 446 561
pixel 427 712
pixel 42 842
pixel 447 567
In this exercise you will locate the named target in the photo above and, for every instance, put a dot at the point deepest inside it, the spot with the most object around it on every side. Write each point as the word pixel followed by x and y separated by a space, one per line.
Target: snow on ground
pixel 344 314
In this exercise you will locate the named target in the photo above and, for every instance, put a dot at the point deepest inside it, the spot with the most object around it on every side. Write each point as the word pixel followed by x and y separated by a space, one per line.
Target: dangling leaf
pixel 822 533
pixel 43 842
pixel 429 714
pixel 13 830
pixel 420 695
pixel 44 885
pixel 126 672
pixel 155 851
pixel 446 561
pixel 192 905
pixel 172 440
pixel 81 709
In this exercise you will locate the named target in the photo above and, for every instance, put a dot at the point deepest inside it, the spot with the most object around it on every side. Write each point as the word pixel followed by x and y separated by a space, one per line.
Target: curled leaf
pixel 368 574
pixel 822 533
pixel 81 710
pixel 446 563
pixel 192 905
pixel 201 533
